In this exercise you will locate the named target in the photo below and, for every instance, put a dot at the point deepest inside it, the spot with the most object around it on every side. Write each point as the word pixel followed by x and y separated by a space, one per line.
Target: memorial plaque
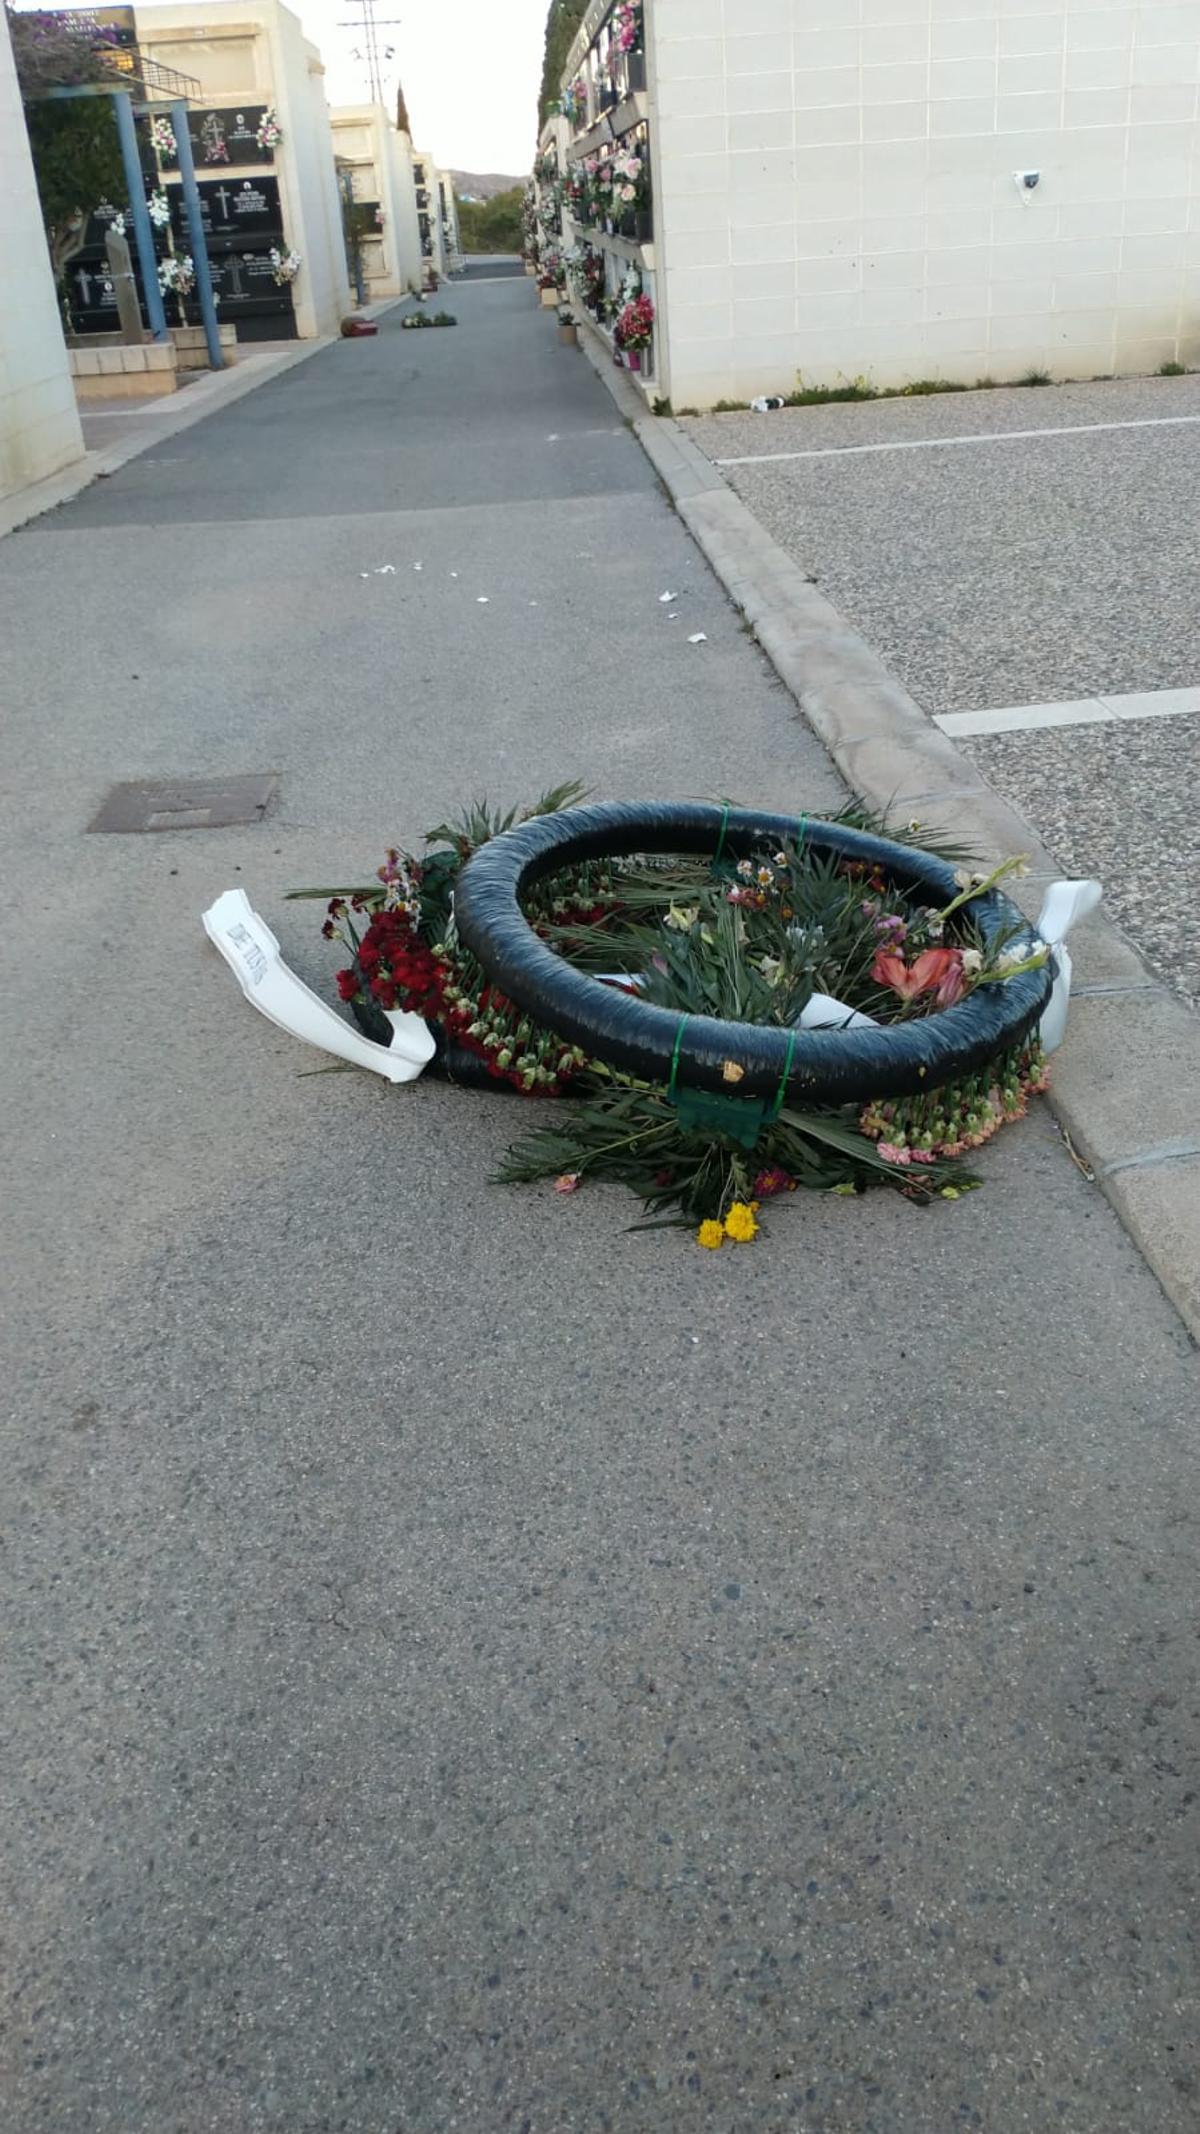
pixel 223 137
pixel 92 297
pixel 232 210
pixel 248 297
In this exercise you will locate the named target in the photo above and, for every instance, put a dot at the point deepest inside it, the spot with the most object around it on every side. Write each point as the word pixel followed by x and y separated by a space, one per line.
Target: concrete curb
pixel 1125 1087
pixel 215 391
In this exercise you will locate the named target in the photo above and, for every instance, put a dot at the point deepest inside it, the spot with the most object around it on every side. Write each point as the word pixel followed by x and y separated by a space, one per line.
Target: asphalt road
pixel 469 1668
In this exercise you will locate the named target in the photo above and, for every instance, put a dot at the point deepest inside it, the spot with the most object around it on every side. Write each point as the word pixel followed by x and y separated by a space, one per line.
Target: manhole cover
pixel 187 803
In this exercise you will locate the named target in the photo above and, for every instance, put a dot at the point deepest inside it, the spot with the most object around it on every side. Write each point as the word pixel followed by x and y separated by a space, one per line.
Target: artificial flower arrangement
pixel 177 274
pixel 285 266
pixel 634 329
pixel 759 941
pixel 626 29
pixel 270 132
pixel 587 271
pixel 628 180
pixel 163 142
pixel 158 207
pixel 573 102
pixel 413 319
pixel 552 272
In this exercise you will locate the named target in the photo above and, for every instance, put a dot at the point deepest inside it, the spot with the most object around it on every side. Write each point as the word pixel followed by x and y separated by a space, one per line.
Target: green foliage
pixel 76 152
pixel 77 163
pixel 1172 370
pixel 358 223
pixel 562 22
pixel 491 225
pixel 402 124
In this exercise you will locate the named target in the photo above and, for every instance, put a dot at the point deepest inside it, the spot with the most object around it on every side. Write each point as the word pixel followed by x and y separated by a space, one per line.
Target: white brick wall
pixel 39 426
pixel 835 190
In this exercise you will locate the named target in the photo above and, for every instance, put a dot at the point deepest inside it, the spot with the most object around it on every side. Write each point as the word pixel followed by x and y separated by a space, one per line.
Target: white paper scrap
pixel 822 1012
pixel 698 638
pixel 481 600
pixel 253 955
pixel 664 597
pixel 386 570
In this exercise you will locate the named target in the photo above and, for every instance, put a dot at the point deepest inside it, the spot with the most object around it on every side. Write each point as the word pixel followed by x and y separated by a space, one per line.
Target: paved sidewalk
pixel 473 1669
pixel 1021 548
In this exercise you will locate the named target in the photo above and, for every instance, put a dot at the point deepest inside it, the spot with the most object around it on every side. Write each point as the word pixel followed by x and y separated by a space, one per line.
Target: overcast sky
pixel 471 71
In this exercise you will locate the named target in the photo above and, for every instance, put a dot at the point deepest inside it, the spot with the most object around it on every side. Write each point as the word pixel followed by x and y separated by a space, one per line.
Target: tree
pixel 402 125
pixel 562 22
pixel 491 225
pixel 75 147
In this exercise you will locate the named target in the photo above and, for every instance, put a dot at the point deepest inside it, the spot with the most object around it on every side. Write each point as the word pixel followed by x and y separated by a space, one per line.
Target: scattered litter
pixel 674 615
pixel 534 603
pixel 482 599
pixel 664 597
pixel 454 574
pixel 767 404
pixel 553 438
pixel 418 566
pixel 386 570
pixel 698 638
pixel 364 574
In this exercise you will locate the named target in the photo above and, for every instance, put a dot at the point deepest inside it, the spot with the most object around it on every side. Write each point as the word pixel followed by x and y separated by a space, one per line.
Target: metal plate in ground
pixel 187 803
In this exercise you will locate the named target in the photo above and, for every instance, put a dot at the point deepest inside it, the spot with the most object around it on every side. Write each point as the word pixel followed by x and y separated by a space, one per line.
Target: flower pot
pixel 568 333
pixel 635 64
pixel 549 299
pixel 633 358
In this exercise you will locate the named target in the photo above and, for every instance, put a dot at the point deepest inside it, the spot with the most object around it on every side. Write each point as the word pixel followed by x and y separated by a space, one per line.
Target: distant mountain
pixel 482 185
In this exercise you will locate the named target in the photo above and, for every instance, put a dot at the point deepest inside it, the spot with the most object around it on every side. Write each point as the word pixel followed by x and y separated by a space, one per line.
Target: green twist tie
pixel 675 1059
pixel 716 858
pixel 781 1092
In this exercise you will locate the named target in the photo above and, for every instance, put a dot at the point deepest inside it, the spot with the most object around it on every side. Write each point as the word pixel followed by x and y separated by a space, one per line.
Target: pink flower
pixel 891 1154
pixel 936 970
pixel 568 1183
pixel 920 1155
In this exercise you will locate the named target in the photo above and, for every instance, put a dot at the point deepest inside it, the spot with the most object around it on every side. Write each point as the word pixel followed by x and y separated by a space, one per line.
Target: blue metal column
pixel 191 201
pixel 134 179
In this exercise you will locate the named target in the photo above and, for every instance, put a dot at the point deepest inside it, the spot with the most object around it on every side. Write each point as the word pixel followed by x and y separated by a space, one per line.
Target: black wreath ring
pixel 814 1066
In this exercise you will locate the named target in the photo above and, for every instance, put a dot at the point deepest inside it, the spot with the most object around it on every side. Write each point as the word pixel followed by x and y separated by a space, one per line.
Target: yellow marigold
pixel 740 1223
pixel 710 1235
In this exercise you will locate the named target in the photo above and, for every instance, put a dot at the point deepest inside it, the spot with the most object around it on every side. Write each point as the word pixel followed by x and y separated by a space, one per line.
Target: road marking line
pixel 984 437
pixel 1083 711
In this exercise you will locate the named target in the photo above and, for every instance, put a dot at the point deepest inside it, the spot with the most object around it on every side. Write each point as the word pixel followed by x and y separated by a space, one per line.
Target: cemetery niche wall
pixel 243 221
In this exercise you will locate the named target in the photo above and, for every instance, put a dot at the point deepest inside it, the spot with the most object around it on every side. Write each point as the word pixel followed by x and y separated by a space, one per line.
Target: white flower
pixel 682 917
pixel 972 962
pixel 746 869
